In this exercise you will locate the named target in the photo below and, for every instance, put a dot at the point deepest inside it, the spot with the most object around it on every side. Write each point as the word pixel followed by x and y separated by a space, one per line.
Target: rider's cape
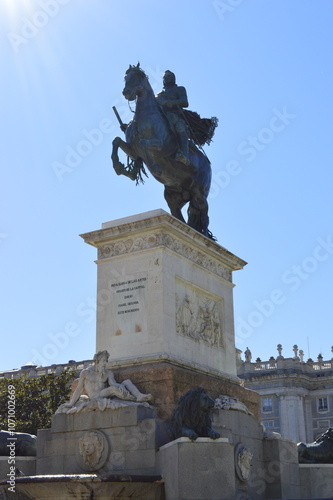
pixel 201 129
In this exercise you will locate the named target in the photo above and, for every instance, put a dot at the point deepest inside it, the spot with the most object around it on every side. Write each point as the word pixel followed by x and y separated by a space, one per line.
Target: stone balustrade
pixel 281 363
pixel 31 370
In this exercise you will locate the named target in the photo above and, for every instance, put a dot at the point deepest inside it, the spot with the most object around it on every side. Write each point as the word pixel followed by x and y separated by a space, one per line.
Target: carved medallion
pixel 92 450
pixel 243 462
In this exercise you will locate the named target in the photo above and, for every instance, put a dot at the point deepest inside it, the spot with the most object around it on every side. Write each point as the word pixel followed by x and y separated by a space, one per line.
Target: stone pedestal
pixel 198 469
pixel 130 437
pixel 244 431
pixel 316 480
pixel 167 382
pixel 85 486
pixel 164 293
pixel 165 315
pixel 27 466
pixel 281 469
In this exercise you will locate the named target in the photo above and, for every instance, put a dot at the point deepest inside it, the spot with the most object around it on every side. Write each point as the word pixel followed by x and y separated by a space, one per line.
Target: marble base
pixel 164 292
pixel 130 437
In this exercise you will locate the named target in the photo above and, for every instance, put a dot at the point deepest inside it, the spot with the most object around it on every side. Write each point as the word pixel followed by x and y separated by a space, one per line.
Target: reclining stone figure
pixel 97 387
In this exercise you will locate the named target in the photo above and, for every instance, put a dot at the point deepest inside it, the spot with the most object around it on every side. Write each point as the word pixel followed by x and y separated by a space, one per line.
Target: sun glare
pixel 36 50
pixel 16 8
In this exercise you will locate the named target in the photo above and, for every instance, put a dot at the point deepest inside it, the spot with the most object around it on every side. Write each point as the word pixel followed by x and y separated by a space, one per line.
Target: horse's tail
pixel 136 169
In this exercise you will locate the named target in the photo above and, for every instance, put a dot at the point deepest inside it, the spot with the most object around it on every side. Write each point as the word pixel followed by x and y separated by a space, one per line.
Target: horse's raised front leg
pixel 119 167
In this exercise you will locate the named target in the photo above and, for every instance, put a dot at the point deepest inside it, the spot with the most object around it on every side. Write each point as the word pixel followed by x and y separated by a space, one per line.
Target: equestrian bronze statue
pixel 167 139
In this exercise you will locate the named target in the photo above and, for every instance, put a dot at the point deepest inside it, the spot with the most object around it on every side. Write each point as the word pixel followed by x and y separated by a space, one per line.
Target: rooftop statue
pixel 167 138
pixel 248 355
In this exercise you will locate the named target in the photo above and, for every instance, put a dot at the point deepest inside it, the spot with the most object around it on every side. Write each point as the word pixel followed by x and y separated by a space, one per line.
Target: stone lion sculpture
pixel 320 451
pixel 191 416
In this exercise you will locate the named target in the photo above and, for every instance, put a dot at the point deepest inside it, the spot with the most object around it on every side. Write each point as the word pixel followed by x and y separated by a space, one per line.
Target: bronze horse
pixel 150 140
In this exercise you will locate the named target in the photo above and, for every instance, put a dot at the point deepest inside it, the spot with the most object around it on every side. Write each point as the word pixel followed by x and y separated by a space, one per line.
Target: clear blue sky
pixel 264 68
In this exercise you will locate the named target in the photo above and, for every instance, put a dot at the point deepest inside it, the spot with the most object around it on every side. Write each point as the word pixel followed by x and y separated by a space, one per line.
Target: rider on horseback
pixel 190 129
pixel 150 142
pixel 172 99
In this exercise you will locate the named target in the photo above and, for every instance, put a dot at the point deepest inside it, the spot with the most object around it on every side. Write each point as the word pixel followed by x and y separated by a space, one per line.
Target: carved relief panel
pixel 199 315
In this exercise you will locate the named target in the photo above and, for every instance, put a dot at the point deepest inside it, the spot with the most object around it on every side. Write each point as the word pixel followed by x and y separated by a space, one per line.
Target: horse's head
pixel 135 82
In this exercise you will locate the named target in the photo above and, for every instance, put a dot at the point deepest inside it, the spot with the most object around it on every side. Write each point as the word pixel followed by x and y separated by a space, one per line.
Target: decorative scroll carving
pixel 160 238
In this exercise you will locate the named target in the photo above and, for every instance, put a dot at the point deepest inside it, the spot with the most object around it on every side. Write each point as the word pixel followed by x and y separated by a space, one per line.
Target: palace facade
pixel 296 395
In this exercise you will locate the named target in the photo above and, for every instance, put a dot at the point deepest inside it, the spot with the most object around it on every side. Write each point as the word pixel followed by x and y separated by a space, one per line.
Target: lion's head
pixel 326 436
pixel 320 451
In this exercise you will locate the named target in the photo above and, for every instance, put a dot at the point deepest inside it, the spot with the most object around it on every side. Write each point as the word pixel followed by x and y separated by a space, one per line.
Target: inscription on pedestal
pixel 198 314
pixel 129 304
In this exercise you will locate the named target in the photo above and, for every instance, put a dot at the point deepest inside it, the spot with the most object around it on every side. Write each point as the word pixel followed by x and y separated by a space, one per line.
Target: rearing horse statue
pixel 150 140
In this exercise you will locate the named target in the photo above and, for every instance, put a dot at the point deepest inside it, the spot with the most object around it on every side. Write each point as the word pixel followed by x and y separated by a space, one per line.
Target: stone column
pixel 308 419
pixel 301 420
pixel 282 469
pixel 292 418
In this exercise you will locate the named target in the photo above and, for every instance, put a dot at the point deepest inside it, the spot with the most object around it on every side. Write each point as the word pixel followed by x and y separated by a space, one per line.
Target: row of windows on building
pixel 271 421
pixel 267 405
pixel 273 424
